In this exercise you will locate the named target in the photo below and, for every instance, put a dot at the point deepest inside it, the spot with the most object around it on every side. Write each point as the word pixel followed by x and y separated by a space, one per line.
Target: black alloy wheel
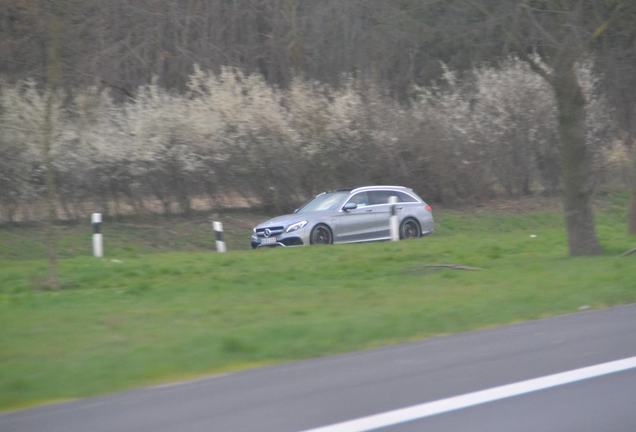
pixel 321 234
pixel 409 229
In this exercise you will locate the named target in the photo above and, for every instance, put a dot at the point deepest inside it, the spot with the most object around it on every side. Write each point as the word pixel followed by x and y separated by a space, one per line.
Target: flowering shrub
pixel 491 133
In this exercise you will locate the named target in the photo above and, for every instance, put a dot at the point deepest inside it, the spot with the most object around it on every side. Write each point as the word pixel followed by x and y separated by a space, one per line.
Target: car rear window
pixel 404 197
pixel 382 197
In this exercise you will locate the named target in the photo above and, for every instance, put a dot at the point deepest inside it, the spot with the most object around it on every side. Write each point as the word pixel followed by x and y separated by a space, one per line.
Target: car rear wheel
pixel 321 234
pixel 409 229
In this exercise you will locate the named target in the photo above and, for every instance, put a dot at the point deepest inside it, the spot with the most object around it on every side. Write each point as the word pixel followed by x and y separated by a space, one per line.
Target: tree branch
pixel 514 39
pixel 536 67
pixel 124 90
pixel 602 28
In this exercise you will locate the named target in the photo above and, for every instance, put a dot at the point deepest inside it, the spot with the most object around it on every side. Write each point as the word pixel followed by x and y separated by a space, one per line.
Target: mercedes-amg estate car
pixel 347 216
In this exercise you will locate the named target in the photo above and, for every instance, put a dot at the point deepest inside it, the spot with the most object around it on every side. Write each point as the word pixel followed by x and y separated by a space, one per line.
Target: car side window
pixel 361 199
pixel 380 197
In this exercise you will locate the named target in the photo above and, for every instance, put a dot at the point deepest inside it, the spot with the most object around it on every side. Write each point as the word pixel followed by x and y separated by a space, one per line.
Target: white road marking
pixel 415 412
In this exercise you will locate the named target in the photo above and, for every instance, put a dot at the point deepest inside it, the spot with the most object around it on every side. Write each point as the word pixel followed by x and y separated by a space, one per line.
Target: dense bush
pixel 233 135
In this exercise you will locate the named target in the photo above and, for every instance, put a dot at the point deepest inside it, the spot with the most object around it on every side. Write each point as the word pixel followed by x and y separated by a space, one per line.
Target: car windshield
pixel 326 201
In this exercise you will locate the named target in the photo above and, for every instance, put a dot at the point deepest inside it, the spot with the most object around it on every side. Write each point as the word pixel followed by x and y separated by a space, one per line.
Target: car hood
pixel 289 219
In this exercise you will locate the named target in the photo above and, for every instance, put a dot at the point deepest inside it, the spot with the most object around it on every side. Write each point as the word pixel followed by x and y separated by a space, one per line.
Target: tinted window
pixel 382 197
pixel 361 199
pixel 402 197
pixel 328 201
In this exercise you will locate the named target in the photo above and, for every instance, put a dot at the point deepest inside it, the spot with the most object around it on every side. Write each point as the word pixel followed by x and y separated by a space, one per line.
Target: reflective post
pixel 393 220
pixel 98 247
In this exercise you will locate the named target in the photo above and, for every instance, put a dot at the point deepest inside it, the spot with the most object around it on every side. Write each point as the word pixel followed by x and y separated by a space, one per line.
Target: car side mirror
pixel 350 206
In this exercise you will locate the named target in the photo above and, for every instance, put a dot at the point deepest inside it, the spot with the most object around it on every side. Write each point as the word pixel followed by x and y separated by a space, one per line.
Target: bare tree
pixel 616 65
pixel 552 37
pixel 53 79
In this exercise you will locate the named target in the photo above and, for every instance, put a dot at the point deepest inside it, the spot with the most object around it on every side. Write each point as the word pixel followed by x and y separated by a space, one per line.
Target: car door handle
pixel 369 210
pixel 398 208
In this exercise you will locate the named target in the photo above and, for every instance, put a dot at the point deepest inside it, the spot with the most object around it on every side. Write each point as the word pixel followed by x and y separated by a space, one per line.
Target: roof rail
pixel 378 187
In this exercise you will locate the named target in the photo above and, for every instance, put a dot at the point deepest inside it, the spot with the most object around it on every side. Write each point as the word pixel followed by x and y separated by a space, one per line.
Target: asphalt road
pixel 318 393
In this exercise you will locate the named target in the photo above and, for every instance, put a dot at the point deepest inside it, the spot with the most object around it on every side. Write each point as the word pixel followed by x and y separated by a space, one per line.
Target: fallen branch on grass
pixel 448 266
pixel 629 252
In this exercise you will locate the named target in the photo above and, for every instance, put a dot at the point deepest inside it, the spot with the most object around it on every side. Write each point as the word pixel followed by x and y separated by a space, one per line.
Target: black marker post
pixel 218 234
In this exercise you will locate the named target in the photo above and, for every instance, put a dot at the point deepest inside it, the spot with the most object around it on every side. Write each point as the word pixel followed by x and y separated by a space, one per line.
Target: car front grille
pixel 273 231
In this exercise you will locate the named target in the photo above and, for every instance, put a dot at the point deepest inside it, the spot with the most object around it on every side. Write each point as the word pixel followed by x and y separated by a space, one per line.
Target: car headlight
pixel 296 226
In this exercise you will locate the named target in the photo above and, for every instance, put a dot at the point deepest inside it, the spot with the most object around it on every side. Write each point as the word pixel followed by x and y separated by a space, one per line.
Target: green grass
pixel 151 318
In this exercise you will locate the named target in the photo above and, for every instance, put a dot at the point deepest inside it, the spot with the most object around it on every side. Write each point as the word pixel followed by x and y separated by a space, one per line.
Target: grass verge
pixel 136 319
pixel 131 237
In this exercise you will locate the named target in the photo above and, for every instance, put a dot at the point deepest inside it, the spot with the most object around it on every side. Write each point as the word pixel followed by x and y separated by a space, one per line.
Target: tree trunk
pixel 631 215
pixel 631 221
pixel 576 162
pixel 53 78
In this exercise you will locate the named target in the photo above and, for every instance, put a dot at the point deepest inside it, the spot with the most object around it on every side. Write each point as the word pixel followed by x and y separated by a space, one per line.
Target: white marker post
pixel 98 247
pixel 218 233
pixel 394 227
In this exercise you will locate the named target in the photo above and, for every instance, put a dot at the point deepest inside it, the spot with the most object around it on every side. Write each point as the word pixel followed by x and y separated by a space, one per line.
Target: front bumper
pixel 282 242
pixel 296 238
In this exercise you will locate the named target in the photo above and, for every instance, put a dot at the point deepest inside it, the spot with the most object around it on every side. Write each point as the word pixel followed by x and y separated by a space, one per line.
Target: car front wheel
pixel 321 234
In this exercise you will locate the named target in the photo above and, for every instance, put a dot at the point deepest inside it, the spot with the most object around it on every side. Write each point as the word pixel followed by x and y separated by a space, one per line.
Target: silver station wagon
pixel 348 216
